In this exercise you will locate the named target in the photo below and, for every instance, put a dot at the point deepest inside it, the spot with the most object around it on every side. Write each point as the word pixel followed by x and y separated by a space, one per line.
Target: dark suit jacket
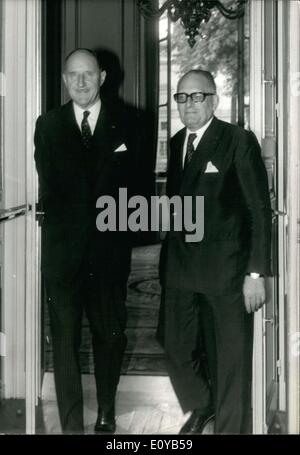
pixel 71 180
pixel 237 213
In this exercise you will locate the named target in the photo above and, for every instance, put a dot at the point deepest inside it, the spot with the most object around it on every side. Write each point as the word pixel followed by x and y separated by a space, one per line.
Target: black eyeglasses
pixel 196 97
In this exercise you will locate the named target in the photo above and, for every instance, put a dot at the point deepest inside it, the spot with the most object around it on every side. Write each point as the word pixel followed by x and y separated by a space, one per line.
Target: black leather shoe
pixel 106 421
pixel 196 423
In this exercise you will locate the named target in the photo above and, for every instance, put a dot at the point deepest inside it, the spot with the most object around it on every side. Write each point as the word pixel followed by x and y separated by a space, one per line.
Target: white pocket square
pixel 121 148
pixel 210 168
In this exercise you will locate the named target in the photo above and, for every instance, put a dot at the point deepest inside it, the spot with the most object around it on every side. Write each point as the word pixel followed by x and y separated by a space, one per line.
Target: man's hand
pixel 254 293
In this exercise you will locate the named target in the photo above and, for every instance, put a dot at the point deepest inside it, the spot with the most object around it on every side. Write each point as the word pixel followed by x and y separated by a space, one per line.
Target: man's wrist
pixel 255 275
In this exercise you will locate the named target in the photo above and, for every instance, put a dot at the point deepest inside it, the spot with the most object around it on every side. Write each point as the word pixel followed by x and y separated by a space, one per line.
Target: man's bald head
pixel 84 51
pixel 203 75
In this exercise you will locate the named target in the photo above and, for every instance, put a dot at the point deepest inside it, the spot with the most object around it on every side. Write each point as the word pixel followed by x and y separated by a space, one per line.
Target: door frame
pixel 263 95
pixel 288 207
pixel 293 208
pixel 256 124
pixel 21 106
pixel 282 203
pixel 33 274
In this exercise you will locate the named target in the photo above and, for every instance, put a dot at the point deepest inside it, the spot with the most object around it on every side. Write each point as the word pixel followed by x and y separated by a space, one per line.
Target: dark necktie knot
pixel 189 149
pixel 191 138
pixel 86 114
pixel 86 130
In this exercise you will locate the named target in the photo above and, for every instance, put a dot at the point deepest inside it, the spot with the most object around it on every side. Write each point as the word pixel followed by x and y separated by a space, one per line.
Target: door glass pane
pixel 271 334
pixel 12 371
pixel 163 27
pixel 2 338
pixel 2 342
pixel 12 223
pixel 270 152
pixel 161 159
pixel 215 50
pixel 2 89
pixel 163 72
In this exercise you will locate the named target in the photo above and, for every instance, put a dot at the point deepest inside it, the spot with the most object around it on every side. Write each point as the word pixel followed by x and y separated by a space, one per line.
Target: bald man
pixel 212 287
pixel 84 269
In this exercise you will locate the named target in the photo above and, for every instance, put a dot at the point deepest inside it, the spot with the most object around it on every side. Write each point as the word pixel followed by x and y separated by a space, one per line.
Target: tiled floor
pixel 144 405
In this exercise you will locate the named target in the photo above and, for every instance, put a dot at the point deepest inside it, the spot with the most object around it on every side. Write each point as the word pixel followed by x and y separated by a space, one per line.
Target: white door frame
pixel 262 97
pixel 293 191
pixel 281 199
pixel 289 220
pixel 33 312
pixel 256 124
pixel 21 106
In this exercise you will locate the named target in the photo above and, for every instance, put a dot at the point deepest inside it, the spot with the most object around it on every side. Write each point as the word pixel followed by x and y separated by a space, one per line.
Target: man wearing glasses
pixel 212 288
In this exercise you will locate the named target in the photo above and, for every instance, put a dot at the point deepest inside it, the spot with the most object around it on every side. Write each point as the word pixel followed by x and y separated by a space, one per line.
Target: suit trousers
pixel 209 344
pixel 104 304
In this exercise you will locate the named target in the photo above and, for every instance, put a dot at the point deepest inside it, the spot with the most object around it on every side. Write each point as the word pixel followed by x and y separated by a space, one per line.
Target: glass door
pixel 270 145
pixel 269 322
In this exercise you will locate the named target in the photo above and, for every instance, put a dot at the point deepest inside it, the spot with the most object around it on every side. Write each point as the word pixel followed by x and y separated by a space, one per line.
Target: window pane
pixel 162 148
pixel 247 67
pixel 176 124
pixel 2 93
pixel 215 50
pixel 163 73
pixel 163 26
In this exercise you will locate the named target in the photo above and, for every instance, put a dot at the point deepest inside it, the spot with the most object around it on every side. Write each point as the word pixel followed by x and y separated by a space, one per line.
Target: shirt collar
pixel 94 110
pixel 201 130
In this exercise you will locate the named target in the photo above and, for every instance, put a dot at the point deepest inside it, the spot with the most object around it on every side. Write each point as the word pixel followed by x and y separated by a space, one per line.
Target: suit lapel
pixel 104 139
pixel 102 131
pixel 202 154
pixel 71 128
pixel 97 161
pixel 179 152
pixel 175 170
pixel 102 123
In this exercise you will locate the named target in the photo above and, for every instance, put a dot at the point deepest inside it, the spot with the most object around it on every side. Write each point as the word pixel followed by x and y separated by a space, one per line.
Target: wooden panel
pixel 110 26
pixel 51 54
pixel 130 53
pixel 101 24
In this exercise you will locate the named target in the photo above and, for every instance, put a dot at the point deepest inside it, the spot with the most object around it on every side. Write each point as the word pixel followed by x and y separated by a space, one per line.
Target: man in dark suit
pixel 212 288
pixel 81 154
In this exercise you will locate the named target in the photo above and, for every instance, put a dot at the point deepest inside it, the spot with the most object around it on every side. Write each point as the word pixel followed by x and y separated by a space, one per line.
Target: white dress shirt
pixel 92 118
pixel 197 139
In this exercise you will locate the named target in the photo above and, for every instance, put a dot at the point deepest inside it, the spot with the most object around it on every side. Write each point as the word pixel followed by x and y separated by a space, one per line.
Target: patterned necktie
pixel 189 149
pixel 86 131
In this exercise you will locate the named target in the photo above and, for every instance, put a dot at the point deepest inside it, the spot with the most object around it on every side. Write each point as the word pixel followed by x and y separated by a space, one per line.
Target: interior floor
pixel 144 405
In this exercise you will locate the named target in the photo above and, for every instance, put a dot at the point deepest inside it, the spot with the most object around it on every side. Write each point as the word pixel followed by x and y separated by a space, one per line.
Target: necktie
pixel 86 131
pixel 189 149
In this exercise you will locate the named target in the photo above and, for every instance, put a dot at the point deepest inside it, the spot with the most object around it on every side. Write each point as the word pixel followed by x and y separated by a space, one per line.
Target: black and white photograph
pixel 149 220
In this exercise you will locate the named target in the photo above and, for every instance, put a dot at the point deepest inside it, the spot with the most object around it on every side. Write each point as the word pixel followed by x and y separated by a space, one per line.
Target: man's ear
pixel 215 101
pixel 102 77
pixel 64 79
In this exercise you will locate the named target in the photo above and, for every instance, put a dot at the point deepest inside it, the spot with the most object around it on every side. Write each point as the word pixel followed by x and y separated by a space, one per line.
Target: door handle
pixel 268 320
pixel 278 212
pixel 39 213
pixel 13 212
